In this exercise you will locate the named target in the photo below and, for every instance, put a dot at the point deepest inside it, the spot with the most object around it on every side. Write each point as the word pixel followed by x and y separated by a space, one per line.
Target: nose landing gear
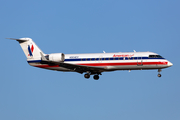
pixel 159 75
pixel 159 70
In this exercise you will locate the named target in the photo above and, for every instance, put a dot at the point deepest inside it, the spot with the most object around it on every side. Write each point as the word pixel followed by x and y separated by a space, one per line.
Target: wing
pixel 74 67
pixel 82 68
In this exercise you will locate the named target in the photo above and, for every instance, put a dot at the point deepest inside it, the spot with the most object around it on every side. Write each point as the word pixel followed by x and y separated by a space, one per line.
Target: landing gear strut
pixel 159 70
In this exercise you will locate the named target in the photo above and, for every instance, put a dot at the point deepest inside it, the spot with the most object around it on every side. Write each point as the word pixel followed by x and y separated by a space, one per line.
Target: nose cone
pixel 169 64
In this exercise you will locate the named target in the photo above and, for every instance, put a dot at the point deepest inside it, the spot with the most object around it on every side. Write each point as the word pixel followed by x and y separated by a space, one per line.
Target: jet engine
pixel 57 57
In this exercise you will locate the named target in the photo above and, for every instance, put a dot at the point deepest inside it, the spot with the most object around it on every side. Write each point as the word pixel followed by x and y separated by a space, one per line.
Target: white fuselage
pixel 111 61
pixel 91 64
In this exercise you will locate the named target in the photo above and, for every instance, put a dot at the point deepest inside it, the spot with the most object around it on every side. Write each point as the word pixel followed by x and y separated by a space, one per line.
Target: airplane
pixel 92 63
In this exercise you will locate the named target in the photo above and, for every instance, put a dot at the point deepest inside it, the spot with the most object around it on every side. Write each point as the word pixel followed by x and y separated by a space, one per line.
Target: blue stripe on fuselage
pixel 102 59
pixel 34 61
pixel 111 58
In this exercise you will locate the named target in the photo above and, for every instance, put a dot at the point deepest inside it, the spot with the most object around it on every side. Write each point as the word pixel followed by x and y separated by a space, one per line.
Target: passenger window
pixel 92 59
pixel 84 59
pixel 111 58
pixel 139 58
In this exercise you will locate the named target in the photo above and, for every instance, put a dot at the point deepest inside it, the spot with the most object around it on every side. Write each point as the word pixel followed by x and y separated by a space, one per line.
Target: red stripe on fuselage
pixel 119 64
pixel 110 64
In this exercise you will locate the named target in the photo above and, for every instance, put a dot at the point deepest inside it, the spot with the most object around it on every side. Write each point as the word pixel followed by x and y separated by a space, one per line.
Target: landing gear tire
pixel 87 76
pixel 159 70
pixel 96 77
pixel 159 75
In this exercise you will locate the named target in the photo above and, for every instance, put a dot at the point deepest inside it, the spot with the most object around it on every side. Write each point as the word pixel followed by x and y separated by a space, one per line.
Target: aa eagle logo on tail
pixel 30 49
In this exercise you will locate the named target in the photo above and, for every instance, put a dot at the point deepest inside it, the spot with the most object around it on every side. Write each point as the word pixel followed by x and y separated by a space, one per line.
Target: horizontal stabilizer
pixel 21 39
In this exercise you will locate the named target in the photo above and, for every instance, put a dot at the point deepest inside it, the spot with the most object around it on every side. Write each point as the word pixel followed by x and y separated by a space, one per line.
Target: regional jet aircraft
pixel 91 64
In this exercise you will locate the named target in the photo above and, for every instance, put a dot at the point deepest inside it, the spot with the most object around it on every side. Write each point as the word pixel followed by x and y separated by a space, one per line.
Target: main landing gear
pixel 87 76
pixel 159 70
pixel 96 77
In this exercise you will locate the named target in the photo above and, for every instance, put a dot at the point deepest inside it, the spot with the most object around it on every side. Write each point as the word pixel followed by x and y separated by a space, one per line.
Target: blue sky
pixel 89 26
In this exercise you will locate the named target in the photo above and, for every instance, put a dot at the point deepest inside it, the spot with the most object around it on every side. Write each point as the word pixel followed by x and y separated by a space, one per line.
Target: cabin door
pixel 100 58
pixel 139 61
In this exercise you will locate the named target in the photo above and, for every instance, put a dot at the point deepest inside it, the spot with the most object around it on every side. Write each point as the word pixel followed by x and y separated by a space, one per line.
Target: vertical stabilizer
pixel 31 50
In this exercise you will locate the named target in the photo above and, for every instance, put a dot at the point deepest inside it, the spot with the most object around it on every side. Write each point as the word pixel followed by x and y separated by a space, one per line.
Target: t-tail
pixel 31 50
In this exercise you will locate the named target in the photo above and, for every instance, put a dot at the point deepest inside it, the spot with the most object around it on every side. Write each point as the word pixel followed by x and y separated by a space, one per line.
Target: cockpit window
pixel 158 56
pixel 152 56
pixel 155 56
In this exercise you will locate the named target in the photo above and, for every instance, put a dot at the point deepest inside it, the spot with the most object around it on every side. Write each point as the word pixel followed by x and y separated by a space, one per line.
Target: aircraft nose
pixel 170 64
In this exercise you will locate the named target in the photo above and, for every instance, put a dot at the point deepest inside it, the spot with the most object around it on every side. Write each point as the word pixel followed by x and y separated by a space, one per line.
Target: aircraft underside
pixel 108 69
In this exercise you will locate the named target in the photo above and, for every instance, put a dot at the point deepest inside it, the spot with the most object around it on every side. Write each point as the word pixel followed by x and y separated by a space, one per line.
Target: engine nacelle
pixel 58 57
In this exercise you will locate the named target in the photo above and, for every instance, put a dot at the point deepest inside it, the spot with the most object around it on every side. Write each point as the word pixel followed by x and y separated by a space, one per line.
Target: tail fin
pixel 31 50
